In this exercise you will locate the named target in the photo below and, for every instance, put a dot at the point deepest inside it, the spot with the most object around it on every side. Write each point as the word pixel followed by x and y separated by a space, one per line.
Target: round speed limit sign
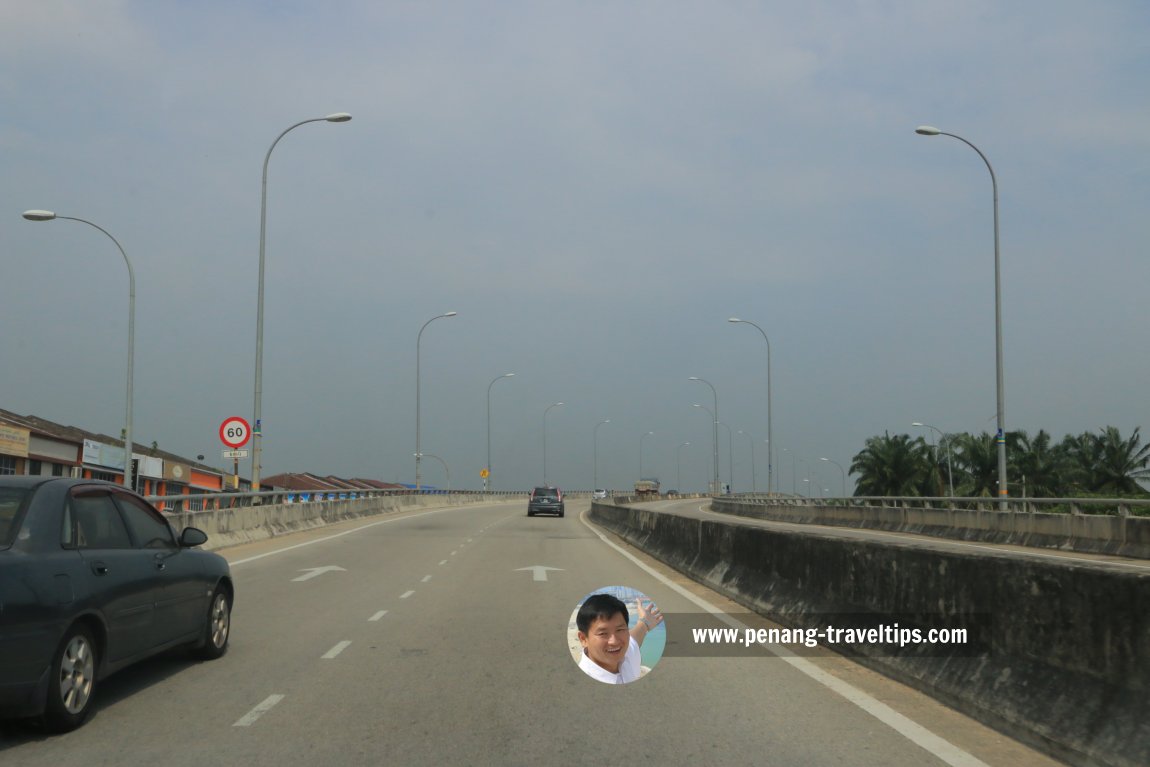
pixel 235 432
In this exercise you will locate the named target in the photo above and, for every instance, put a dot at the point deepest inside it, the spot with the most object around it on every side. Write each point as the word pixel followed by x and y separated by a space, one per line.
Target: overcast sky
pixel 595 187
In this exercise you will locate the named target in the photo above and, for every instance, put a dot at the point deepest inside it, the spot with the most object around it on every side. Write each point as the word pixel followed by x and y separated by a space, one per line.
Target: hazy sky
pixel 595 187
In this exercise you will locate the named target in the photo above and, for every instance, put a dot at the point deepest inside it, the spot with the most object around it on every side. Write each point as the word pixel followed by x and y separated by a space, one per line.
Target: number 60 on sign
pixel 235 432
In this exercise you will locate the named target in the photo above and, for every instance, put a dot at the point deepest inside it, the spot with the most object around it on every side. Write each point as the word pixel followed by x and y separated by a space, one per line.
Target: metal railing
pixel 1112 506
pixel 233 500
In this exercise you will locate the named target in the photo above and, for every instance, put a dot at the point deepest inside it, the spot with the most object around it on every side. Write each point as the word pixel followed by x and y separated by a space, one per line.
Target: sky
pixel 595 187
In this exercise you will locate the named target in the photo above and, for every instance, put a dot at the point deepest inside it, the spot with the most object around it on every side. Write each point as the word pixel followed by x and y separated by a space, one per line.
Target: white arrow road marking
pixel 539 572
pixel 312 572
pixel 248 719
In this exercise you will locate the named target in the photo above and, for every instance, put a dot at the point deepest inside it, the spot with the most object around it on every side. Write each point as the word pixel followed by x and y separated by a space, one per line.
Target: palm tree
pixel 1040 467
pixel 1121 463
pixel 891 466
pixel 977 459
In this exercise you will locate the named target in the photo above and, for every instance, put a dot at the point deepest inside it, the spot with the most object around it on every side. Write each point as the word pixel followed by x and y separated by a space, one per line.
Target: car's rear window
pixel 11 502
pixel 546 492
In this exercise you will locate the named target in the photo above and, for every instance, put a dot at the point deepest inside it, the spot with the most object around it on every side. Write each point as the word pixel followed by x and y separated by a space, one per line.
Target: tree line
pixel 1088 464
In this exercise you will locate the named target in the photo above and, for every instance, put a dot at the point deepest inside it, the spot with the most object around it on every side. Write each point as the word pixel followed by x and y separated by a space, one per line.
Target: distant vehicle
pixel 599 495
pixel 545 500
pixel 647 487
pixel 94 579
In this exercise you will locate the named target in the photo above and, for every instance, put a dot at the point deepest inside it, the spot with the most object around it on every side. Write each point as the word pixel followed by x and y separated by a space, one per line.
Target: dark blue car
pixel 93 579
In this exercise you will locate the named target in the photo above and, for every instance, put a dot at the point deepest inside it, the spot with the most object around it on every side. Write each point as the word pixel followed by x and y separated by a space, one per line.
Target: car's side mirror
pixel 192 536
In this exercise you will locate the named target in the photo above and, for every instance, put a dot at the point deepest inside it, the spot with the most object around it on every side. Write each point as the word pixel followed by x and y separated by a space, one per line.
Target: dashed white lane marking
pixel 426 578
pixel 248 719
pixel 454 552
pixel 378 615
pixel 406 594
pixel 340 535
pixel 443 562
pixel 340 647
pixel 909 729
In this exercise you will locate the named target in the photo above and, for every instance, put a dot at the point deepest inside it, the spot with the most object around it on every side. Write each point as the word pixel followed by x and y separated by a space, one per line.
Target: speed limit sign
pixel 235 432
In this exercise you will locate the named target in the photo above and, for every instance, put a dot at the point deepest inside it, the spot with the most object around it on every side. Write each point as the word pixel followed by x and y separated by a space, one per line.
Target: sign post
pixel 235 433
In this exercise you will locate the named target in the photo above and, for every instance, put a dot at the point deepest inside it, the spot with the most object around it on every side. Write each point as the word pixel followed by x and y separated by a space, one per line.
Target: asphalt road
pixel 433 646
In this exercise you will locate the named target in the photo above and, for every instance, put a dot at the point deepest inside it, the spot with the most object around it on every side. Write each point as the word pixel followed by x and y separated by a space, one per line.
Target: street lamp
pixel 436 457
pixel 47 215
pixel 418 339
pixel 751 440
pixel 545 412
pixel 715 430
pixel 792 455
pixel 679 467
pixel 489 478
pixel 714 443
pixel 941 439
pixel 595 450
pixel 770 433
pixel 648 434
pixel 257 429
pixel 730 458
pixel 926 130
pixel 836 463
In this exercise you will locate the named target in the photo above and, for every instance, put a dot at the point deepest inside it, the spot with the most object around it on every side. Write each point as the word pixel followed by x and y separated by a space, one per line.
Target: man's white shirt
pixel 629 670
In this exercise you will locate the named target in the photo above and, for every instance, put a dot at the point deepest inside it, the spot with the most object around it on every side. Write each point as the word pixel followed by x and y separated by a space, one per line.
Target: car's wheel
pixel 219 626
pixel 73 681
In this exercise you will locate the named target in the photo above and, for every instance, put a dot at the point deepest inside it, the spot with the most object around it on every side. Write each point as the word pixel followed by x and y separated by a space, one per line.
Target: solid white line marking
pixel 378 615
pixel 406 594
pixel 336 650
pixel 248 719
pixel 909 729
pixel 426 578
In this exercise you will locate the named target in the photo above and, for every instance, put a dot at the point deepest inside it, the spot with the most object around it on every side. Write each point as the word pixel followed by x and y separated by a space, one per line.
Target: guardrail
pixel 218 501
pixel 1119 506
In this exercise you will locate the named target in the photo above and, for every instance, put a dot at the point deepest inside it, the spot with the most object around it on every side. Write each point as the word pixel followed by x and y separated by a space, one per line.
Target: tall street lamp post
pixel 926 130
pixel 446 471
pixel 418 339
pixel 257 427
pixel 595 450
pixel 844 472
pixel 47 215
pixel 730 458
pixel 545 412
pixel 489 480
pixel 942 438
pixel 751 440
pixel 715 429
pixel 648 434
pixel 679 467
pixel 770 434
pixel 792 455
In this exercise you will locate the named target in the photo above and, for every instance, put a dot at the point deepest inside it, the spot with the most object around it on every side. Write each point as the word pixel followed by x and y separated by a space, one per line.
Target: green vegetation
pixel 1087 465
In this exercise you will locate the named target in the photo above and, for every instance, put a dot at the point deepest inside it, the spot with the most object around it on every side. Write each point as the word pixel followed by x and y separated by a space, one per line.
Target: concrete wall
pixel 1064 655
pixel 1096 533
pixel 228 527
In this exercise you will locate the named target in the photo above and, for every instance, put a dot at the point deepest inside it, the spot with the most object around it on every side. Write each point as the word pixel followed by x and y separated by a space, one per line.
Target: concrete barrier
pixel 229 527
pixel 1126 536
pixel 1062 656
